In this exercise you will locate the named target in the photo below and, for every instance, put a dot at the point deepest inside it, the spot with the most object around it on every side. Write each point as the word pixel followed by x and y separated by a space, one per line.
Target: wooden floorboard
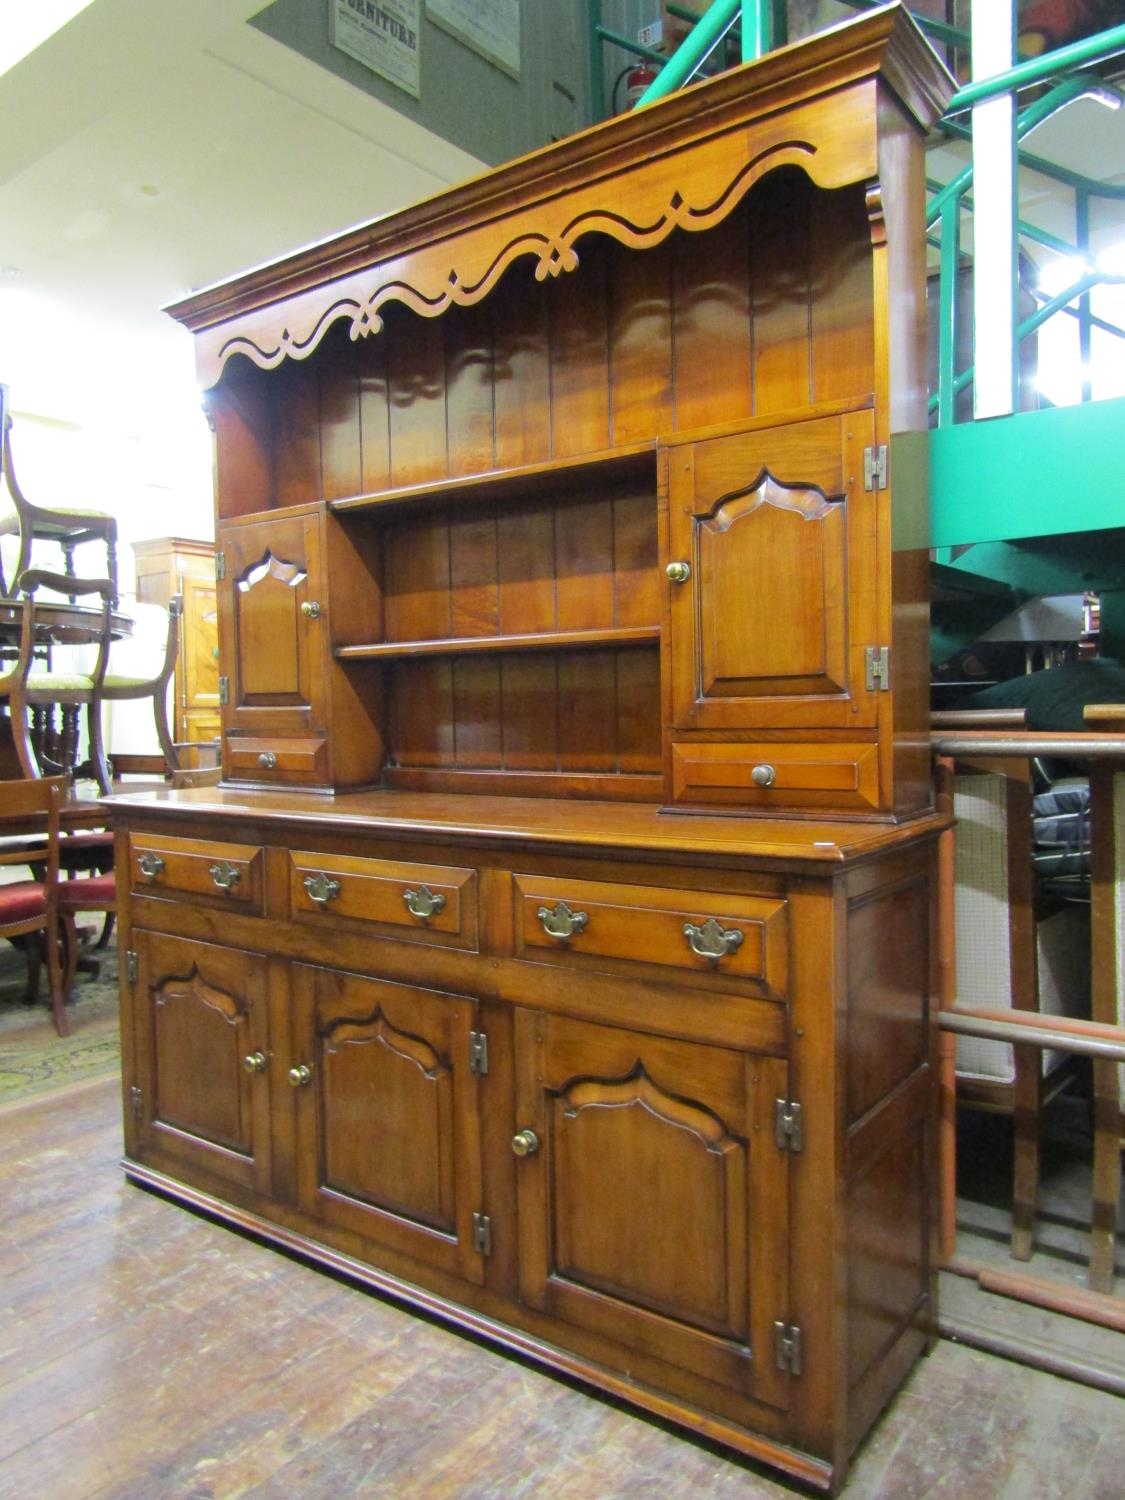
pixel 146 1352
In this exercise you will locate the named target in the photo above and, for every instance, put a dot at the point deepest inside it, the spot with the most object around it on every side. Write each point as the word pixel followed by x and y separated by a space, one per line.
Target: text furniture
pixel 555 953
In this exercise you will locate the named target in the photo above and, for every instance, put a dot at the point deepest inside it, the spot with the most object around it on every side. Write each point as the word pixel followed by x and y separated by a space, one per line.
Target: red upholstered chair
pixel 30 908
pixel 83 893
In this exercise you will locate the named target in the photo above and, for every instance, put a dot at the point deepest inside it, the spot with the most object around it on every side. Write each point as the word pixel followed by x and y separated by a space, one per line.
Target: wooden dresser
pixel 556 952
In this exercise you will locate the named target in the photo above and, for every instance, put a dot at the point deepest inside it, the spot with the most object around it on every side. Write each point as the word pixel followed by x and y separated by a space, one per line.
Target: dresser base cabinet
pixel 681 1146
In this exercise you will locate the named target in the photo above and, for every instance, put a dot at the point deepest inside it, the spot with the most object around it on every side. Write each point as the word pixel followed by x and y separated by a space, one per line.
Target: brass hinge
pixel 478 1052
pixel 136 1102
pixel 131 965
pixel 482 1234
pixel 875 468
pixel 787 1129
pixel 787 1347
pixel 220 566
pixel 877 668
pixel 224 691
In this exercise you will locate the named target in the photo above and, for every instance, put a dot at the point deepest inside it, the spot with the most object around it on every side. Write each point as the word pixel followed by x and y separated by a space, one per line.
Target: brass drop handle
pixel 678 572
pixel 300 1076
pixel 560 922
pixel 712 942
pixel 763 775
pixel 267 760
pixel 255 1063
pixel 423 903
pixel 310 609
pixel 525 1143
pixel 321 888
pixel 150 865
pixel 225 875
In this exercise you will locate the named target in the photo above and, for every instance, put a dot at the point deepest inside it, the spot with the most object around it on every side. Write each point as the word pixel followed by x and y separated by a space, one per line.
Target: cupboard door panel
pixel 201 1016
pixel 388 1120
pixel 769 629
pixel 273 646
pixel 654 1207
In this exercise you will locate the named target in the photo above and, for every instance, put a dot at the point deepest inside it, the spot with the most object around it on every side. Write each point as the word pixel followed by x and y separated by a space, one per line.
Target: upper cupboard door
pixel 770 626
pixel 271 618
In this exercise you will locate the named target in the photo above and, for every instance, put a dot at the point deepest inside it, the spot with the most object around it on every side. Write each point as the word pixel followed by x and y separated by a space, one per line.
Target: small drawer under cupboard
pixel 732 936
pixel 198 870
pixel 774 776
pixel 292 761
pixel 419 903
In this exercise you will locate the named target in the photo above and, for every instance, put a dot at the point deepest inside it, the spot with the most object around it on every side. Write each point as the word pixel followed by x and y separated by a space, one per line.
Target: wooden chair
pixel 77 896
pixel 117 687
pixel 1008 954
pixel 68 527
pixel 30 908
pixel 35 689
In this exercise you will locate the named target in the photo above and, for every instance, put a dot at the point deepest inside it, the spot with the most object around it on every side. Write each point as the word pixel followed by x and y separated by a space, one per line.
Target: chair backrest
pixel 28 806
pixel 34 629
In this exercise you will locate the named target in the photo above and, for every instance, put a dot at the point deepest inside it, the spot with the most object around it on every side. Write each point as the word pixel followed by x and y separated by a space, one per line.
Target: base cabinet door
pixel 388 1118
pixel 201 1098
pixel 652 1196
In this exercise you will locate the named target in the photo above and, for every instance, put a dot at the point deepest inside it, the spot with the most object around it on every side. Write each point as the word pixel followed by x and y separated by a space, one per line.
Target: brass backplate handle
pixel 423 903
pixel 525 1143
pixel 712 942
pixel 560 922
pixel 225 875
pixel 150 865
pixel 321 888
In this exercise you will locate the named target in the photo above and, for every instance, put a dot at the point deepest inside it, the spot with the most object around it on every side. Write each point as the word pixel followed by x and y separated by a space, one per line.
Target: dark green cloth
pixel 1054 699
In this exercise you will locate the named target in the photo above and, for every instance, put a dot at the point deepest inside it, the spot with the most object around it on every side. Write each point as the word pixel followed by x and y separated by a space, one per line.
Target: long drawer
pixel 413 902
pixel 733 936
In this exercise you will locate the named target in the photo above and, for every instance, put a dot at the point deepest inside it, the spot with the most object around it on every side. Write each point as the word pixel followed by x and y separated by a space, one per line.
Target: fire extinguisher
pixel 636 80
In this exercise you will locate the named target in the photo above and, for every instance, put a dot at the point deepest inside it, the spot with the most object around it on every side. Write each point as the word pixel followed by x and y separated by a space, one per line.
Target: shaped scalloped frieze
pixel 639 205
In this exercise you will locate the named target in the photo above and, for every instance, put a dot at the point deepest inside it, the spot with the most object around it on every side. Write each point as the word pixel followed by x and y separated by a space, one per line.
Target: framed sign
pixel 490 27
pixel 384 35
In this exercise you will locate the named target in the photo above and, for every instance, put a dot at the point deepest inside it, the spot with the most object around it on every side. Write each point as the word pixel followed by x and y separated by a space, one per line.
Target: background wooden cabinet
pixel 176 565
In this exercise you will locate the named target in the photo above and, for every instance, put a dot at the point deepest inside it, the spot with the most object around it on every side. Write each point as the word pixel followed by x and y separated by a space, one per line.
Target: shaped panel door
pixel 387 1115
pixel 769 627
pixel 653 1197
pixel 272 617
pixel 202 1060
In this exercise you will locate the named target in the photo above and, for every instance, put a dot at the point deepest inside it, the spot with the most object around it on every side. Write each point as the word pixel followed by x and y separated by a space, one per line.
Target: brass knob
pixel 525 1143
pixel 255 1063
pixel 267 760
pixel 299 1076
pixel 763 776
pixel 150 865
pixel 310 609
pixel 678 572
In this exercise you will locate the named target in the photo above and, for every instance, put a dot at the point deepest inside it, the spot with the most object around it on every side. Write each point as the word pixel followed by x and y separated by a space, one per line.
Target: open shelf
pixel 524 482
pixel 553 640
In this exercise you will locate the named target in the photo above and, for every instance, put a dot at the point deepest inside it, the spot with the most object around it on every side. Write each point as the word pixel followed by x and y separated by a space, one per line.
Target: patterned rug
pixel 33 1060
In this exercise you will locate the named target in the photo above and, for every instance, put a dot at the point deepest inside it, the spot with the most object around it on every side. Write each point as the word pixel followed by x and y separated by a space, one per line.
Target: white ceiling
pixel 151 147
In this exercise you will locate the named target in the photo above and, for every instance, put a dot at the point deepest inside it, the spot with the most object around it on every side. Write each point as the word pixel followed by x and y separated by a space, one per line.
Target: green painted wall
pixel 1035 474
